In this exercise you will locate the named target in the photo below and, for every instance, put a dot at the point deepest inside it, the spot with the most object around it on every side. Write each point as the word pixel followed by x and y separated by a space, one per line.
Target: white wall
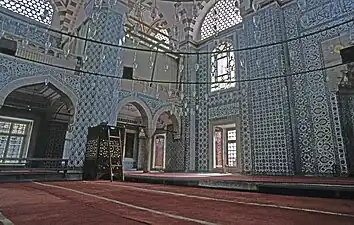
pixel 55 20
pixel 144 69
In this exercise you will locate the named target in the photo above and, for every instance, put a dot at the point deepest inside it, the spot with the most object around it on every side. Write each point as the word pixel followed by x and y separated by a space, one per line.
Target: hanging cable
pixel 174 52
pixel 180 82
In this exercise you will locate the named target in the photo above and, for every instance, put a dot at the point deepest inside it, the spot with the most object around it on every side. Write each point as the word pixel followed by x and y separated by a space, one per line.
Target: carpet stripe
pixel 4 220
pixel 128 205
pixel 231 201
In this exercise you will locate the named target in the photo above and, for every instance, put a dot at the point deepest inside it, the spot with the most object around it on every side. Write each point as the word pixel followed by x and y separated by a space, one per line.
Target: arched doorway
pixel 134 116
pixel 167 153
pixel 34 119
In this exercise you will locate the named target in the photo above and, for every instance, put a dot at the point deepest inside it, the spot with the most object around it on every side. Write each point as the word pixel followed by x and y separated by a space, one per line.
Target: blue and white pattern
pixel 261 105
pixel 320 147
pixel 288 125
pixel 98 96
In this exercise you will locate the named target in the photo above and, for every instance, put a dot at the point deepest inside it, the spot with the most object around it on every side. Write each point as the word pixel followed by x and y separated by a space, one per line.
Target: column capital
pixel 149 132
pixel 142 134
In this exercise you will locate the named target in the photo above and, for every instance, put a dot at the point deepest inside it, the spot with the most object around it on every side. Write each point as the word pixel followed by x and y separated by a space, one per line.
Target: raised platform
pixel 38 175
pixel 299 186
pixel 296 186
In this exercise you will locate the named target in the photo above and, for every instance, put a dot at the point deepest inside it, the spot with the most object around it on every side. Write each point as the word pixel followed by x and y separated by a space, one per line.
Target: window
pixel 223 15
pixel 14 138
pixel 223 68
pixel 39 10
pixel 128 73
pixel 225 146
pixel 162 37
pixel 231 148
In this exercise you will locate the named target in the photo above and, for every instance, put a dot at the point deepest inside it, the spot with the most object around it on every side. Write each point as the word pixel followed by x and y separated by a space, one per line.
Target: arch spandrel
pixel 176 121
pixel 142 107
pixel 26 81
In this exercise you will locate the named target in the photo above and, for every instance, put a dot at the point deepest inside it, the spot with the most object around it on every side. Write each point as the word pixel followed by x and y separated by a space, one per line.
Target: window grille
pixel 223 68
pixel 223 15
pixel 39 10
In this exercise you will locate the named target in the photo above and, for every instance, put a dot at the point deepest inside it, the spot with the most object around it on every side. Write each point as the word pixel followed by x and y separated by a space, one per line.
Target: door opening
pixel 225 148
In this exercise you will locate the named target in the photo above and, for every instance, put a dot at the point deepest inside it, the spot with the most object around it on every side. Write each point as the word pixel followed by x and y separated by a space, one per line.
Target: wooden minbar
pixel 104 154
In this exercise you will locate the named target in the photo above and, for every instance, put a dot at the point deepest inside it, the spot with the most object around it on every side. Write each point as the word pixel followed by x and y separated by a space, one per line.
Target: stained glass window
pixel 223 15
pixel 39 10
pixel 223 68
pixel 13 138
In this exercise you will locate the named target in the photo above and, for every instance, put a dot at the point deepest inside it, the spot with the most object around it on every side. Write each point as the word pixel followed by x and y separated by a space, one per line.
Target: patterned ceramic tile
pixel 288 125
pixel 316 111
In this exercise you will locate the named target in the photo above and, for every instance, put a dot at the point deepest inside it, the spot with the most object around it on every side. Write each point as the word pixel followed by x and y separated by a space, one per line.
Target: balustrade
pixel 39 54
pixel 39 44
pixel 160 91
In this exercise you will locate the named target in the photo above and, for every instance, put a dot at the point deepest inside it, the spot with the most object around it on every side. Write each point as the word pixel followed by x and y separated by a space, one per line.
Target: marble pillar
pixel 148 149
pixel 141 150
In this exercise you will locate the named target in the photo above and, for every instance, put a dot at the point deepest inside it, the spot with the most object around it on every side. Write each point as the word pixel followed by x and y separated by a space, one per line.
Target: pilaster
pixel 189 104
pixel 99 89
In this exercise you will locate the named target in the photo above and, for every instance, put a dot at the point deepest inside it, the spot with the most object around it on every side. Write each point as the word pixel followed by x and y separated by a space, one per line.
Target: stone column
pixel 136 149
pixel 141 150
pixel 67 144
pixel 148 149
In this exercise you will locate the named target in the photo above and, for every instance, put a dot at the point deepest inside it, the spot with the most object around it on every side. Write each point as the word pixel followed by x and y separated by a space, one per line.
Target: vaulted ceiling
pixel 159 14
pixel 42 97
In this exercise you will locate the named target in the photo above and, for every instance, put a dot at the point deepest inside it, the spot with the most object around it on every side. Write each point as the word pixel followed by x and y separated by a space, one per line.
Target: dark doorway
pixel 346 107
pixel 129 145
pixel 37 116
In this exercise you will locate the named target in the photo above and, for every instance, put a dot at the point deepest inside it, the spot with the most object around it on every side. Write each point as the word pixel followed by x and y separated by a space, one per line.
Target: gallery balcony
pixel 55 58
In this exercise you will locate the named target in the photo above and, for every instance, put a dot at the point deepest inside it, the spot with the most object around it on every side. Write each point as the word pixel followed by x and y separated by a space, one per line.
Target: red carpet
pixel 35 204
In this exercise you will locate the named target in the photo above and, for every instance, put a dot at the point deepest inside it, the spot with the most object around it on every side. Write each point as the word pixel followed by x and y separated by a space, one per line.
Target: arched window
pixel 224 14
pixel 223 67
pixel 39 10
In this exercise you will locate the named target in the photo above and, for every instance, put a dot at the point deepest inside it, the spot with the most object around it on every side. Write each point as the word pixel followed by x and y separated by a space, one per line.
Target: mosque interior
pixel 253 87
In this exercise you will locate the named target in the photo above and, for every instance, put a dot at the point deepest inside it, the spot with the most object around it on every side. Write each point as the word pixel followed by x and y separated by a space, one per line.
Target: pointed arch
pixel 204 23
pixel 176 120
pixel 142 107
pixel 26 81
